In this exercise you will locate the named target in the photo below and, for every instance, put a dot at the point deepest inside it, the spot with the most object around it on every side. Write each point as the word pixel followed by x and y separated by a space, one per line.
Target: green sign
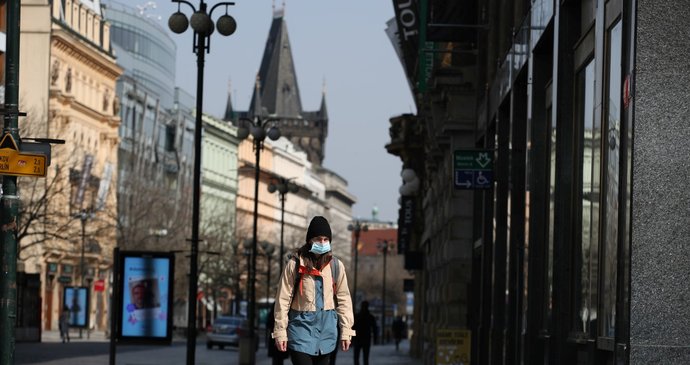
pixel 65 279
pixel 473 169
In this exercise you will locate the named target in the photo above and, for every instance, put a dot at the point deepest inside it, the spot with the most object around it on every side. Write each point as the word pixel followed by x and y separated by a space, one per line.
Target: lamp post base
pixel 247 350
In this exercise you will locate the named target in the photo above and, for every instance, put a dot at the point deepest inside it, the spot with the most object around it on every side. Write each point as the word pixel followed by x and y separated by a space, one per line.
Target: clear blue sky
pixel 343 42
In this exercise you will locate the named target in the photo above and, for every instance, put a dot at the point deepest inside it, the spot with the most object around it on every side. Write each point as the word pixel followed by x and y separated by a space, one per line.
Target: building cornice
pixel 78 49
pixel 68 100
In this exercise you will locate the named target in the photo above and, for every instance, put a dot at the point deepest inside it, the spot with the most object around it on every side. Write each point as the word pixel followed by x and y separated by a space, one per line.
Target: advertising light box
pixel 75 300
pixel 146 287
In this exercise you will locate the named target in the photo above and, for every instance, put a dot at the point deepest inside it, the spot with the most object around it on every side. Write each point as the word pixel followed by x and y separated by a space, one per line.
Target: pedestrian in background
pixel 365 326
pixel 398 331
pixel 312 301
pixel 63 325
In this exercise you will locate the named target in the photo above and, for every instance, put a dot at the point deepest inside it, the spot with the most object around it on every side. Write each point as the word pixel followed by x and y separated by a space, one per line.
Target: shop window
pixel 587 229
pixel 612 179
pixel 548 254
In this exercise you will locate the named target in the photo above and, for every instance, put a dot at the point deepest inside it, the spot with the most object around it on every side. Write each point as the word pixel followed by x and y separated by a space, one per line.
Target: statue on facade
pixel 55 72
pixel 106 100
pixel 68 80
pixel 116 106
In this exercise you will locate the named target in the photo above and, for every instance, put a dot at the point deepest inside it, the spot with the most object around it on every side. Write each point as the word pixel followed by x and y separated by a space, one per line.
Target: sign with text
pixel 453 346
pixel 15 163
pixel 405 223
pixel 146 287
pixel 473 169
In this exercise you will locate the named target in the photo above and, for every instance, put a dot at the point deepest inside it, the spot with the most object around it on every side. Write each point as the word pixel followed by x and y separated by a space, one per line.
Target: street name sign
pixel 473 169
pixel 15 163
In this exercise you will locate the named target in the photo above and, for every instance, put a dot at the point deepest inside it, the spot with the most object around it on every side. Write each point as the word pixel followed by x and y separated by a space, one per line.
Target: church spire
pixel 279 90
pixel 229 111
pixel 323 112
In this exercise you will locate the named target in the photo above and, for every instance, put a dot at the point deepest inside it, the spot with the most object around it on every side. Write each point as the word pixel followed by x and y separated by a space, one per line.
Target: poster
pixel 75 300
pixel 453 346
pixel 146 293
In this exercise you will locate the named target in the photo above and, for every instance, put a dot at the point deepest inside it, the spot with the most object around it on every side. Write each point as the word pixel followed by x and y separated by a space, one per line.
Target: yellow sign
pixel 453 346
pixel 14 163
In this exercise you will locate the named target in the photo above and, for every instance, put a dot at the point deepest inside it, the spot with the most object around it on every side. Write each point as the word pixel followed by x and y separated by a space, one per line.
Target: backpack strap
pixel 335 273
pixel 296 281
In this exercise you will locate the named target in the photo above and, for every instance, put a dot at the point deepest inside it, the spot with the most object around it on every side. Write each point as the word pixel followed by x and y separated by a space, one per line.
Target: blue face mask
pixel 320 248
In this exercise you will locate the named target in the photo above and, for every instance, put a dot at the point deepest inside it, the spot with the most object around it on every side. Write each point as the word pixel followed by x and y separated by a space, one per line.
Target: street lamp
pixel 269 249
pixel 383 246
pixel 282 186
pixel 202 25
pixel 356 227
pixel 259 127
pixel 248 255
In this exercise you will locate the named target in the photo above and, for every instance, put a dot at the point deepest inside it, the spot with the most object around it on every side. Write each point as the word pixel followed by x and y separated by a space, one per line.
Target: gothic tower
pixel 277 94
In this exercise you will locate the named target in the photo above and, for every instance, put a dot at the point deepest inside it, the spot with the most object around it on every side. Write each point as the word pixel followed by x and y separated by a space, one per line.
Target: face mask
pixel 320 248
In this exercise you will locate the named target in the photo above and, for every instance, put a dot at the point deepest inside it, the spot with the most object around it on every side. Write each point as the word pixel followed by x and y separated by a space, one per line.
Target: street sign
pixel 65 279
pixel 453 346
pixel 99 285
pixel 473 169
pixel 15 163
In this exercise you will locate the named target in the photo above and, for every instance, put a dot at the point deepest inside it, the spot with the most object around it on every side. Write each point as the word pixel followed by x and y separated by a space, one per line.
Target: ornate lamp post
pixel 259 128
pixel 202 25
pixel 269 249
pixel 356 227
pixel 383 246
pixel 282 186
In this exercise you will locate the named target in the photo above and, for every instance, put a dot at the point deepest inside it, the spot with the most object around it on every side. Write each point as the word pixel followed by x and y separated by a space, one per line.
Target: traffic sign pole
pixel 9 202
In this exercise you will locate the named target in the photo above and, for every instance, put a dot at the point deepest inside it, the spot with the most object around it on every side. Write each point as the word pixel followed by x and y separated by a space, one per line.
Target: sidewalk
pixel 379 355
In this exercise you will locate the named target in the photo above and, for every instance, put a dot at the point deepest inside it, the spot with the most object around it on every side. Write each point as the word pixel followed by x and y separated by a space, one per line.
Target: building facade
pixel 68 78
pixel 568 254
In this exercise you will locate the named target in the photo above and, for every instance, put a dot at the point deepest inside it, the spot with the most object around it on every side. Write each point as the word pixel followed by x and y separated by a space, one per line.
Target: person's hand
pixel 281 345
pixel 345 344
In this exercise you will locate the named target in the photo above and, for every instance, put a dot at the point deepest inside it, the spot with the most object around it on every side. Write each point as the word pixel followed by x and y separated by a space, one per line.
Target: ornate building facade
pixel 67 80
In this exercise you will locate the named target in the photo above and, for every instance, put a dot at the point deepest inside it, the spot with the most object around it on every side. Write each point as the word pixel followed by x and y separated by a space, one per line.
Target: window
pixel 589 160
pixel 551 168
pixel 611 212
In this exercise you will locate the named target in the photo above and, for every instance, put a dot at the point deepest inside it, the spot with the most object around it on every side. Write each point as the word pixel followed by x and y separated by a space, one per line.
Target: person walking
pixel 63 325
pixel 365 326
pixel 313 300
pixel 398 331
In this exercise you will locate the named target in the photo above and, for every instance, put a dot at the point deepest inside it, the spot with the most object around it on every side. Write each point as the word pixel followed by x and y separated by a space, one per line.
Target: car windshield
pixel 228 321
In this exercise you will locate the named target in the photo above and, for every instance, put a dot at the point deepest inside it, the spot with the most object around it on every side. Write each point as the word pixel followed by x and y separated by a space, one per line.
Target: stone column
pixel 660 237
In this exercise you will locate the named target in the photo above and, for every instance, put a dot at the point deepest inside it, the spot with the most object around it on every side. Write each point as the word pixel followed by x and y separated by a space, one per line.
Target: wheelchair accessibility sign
pixel 473 169
pixel 453 347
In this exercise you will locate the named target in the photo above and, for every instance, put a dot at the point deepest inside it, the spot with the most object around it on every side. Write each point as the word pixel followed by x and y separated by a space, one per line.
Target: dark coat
pixel 365 325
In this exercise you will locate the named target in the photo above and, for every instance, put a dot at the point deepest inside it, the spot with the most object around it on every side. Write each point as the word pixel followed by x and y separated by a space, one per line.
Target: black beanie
pixel 319 227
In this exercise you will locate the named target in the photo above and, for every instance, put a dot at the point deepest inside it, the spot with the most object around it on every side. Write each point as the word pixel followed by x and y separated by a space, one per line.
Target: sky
pixel 340 43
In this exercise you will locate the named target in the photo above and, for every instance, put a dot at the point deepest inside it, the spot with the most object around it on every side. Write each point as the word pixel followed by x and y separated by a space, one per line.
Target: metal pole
pixel 81 261
pixel 252 271
pixel 113 304
pixel 268 277
pixel 191 310
pixel 357 228
pixel 383 295
pixel 9 201
pixel 281 258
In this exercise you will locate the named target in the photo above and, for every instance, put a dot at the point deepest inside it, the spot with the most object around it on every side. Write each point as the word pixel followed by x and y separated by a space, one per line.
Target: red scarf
pixel 314 272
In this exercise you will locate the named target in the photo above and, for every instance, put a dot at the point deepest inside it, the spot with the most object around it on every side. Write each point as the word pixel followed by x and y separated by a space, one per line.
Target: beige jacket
pixel 306 302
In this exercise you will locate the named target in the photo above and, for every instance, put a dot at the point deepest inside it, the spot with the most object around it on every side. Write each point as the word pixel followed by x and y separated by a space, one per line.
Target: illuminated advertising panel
pixel 146 288
pixel 75 300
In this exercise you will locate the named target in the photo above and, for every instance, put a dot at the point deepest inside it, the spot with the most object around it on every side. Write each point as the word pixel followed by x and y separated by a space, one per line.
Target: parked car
pixel 227 331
